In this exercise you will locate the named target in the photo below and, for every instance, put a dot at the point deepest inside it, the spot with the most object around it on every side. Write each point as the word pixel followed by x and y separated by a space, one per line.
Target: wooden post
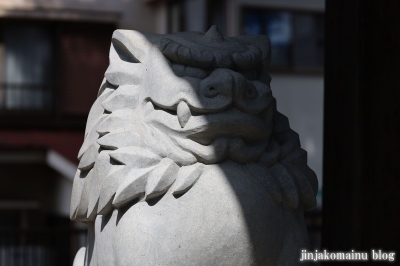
pixel 361 200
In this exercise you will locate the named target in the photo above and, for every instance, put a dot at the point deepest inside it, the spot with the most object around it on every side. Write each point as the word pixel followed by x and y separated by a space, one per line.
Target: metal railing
pixel 50 247
pixel 40 247
pixel 26 96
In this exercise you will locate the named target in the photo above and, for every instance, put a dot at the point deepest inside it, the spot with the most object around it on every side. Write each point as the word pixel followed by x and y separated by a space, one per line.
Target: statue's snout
pixel 218 83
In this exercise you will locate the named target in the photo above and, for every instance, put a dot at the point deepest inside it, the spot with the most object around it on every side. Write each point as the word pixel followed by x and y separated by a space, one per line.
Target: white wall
pixel 301 99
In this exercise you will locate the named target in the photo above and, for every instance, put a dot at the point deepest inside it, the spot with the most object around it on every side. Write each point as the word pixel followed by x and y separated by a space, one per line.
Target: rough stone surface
pixel 186 160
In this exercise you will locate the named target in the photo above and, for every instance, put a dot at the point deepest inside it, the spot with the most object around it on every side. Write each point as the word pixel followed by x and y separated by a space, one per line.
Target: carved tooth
pixel 148 108
pixel 183 113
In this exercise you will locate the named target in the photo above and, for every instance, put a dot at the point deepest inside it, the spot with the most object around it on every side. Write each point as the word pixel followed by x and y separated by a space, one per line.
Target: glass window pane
pixel 253 22
pixel 27 67
pixel 297 37
pixel 279 30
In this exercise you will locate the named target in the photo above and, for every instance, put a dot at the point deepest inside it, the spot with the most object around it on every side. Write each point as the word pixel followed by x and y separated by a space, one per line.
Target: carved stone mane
pixel 186 160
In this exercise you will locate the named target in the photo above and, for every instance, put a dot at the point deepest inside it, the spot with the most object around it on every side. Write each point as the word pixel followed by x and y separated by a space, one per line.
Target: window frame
pixel 54 117
pixel 42 113
pixel 292 69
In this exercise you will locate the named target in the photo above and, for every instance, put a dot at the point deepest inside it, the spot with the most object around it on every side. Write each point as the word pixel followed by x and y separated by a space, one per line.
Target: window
pixel 27 67
pixel 196 15
pixel 51 68
pixel 297 37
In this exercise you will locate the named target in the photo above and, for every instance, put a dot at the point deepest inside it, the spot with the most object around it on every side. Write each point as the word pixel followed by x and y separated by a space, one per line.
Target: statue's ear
pixel 128 50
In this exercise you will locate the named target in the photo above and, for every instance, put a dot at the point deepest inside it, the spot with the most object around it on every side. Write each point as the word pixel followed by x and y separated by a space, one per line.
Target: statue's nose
pixel 218 84
pixel 250 96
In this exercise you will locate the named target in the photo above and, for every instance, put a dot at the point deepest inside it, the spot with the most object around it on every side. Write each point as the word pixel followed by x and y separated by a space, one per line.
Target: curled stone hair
pixel 129 155
pixel 186 160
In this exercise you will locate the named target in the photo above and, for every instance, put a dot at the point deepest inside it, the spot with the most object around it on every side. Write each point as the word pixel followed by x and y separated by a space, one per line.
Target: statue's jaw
pixel 213 137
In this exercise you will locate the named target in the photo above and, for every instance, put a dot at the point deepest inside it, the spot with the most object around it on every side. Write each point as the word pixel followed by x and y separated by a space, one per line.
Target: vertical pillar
pixel 362 126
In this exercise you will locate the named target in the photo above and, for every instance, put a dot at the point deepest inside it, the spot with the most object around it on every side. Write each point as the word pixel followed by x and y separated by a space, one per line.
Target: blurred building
pixel 53 55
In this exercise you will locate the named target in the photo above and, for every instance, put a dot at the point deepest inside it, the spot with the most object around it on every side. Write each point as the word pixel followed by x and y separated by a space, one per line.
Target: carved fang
pixel 183 113
pixel 148 108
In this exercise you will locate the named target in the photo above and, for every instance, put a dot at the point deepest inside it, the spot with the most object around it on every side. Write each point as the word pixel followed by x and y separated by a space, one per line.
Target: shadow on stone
pixel 245 202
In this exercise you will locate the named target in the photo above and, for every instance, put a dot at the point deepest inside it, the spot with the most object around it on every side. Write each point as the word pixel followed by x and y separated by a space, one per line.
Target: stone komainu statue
pixel 186 160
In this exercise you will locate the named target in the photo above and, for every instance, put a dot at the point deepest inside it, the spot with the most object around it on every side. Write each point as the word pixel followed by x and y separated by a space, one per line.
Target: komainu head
pixel 171 105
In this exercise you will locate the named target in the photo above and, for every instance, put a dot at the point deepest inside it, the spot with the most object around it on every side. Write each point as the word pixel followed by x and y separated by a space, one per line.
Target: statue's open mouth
pixel 206 127
pixel 213 136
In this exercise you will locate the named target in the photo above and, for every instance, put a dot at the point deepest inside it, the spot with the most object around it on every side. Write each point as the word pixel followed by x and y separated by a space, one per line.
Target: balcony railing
pixel 40 247
pixel 26 97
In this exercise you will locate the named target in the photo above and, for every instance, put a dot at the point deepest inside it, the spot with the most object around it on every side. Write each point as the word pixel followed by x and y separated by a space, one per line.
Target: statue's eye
pixel 187 71
pixel 178 69
pixel 195 72
pixel 123 52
